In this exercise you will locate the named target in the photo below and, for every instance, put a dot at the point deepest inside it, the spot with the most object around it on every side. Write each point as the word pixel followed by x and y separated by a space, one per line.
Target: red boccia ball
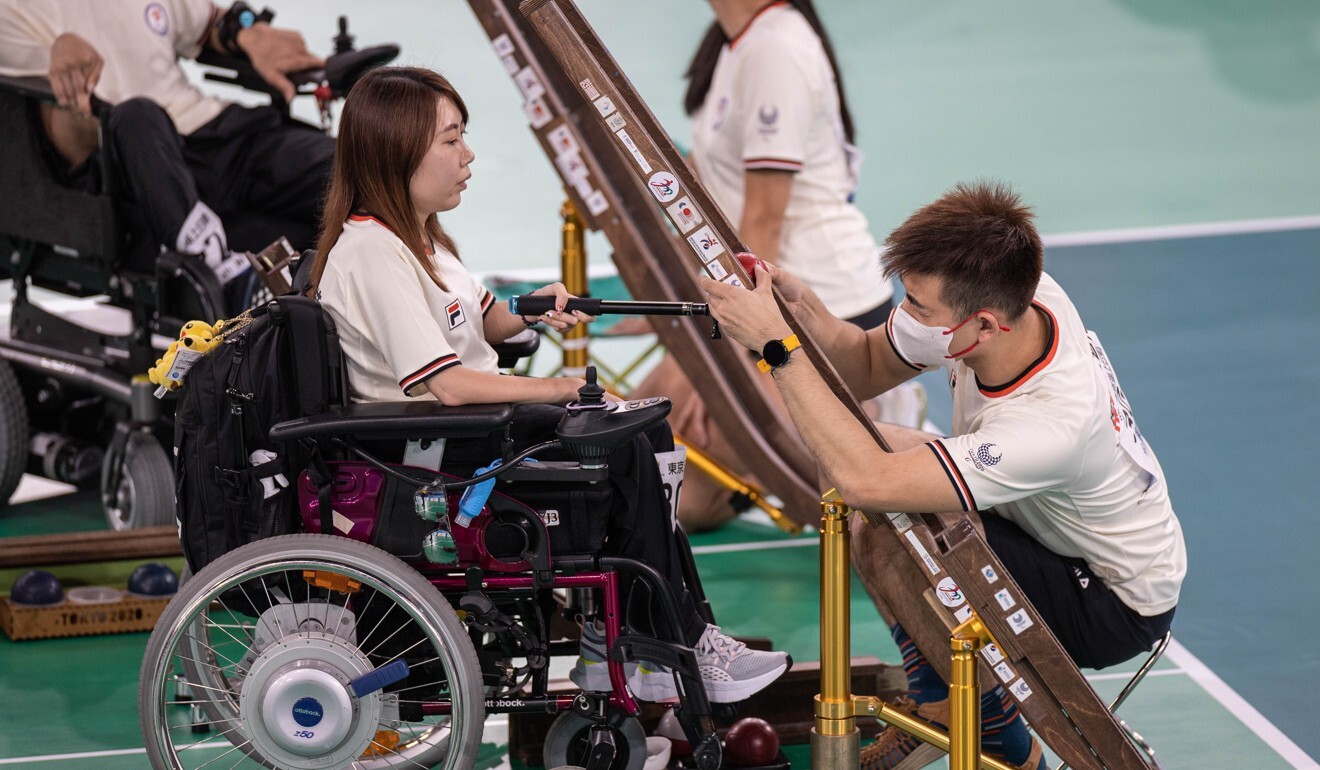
pixel 749 263
pixel 751 742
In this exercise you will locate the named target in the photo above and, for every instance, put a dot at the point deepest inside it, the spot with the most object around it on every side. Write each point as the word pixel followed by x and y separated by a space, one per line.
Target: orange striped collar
pixel 367 218
pixel 999 391
pixel 430 251
pixel 734 40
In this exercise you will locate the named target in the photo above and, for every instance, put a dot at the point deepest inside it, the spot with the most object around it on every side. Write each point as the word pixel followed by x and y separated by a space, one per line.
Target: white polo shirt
pixel 397 328
pixel 140 41
pixel 773 104
pixel 1057 451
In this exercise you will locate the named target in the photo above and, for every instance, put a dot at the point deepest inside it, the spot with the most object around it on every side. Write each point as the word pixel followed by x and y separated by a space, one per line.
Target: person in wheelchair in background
pixel 414 323
pixel 191 163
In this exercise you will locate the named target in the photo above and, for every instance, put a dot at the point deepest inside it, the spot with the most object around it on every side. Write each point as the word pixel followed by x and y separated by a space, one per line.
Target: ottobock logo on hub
pixel 308 712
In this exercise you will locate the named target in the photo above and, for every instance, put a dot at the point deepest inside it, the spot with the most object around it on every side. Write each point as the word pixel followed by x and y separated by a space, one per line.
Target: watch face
pixel 774 353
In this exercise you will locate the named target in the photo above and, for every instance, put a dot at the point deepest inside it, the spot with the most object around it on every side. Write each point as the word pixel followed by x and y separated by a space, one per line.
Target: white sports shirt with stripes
pixel 773 104
pixel 140 41
pixel 1057 451
pixel 397 328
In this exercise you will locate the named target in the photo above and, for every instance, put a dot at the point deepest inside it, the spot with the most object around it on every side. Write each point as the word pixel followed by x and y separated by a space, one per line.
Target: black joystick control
pixel 591 395
pixel 343 41
pixel 594 426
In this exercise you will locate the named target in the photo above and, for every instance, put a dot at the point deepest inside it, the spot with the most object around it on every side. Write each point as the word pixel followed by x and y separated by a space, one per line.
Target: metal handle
pixel 537 304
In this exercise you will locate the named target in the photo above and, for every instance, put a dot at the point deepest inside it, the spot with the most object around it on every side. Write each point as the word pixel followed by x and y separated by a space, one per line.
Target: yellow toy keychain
pixel 195 339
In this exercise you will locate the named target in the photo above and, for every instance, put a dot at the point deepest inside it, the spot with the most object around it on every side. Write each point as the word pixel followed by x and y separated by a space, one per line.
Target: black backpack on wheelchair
pixel 234 485
pixel 277 362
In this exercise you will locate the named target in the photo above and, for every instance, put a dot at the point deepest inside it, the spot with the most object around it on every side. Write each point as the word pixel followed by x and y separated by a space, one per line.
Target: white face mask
pixel 925 346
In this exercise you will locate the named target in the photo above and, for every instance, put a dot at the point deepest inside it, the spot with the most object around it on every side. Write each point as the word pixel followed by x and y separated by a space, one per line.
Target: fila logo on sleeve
pixel 454 311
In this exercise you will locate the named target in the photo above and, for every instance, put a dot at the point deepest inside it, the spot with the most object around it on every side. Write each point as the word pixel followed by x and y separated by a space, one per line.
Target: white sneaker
pixel 730 671
pixel 592 670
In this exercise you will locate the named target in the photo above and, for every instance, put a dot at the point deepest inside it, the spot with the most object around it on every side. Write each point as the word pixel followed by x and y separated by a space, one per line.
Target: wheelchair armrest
pixel 244 75
pixel 32 87
pixel 38 87
pixel 398 420
pixel 520 345
pixel 342 70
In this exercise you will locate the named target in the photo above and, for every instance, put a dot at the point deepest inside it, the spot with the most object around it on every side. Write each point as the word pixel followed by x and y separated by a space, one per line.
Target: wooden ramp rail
pixel 653 256
pixel 82 547
pixel 617 161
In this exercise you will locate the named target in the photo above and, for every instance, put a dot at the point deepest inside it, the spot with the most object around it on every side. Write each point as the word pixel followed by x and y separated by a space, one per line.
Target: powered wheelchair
pixel 405 611
pixel 73 404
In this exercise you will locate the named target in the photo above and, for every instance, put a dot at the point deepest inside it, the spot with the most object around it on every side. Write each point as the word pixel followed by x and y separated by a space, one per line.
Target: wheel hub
pixel 296 708
pixel 307 711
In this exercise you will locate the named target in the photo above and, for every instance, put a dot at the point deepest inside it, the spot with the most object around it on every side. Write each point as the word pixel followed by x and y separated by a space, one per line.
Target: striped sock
pixel 1003 731
pixel 924 685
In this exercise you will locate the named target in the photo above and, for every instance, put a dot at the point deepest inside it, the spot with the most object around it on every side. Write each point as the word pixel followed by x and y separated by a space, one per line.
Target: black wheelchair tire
pixel 144 496
pixel 14 431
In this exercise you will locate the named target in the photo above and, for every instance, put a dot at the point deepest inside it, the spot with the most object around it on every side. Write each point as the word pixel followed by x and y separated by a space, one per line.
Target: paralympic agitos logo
pixel 985 456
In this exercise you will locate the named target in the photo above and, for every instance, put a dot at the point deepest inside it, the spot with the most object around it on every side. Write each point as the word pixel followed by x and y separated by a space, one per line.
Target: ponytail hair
pixel 701 70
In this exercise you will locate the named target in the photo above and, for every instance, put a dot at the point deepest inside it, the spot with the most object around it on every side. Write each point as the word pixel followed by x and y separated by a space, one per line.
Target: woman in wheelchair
pixel 414 323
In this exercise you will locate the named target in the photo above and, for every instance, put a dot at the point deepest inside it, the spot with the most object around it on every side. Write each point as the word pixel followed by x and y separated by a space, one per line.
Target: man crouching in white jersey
pixel 1045 451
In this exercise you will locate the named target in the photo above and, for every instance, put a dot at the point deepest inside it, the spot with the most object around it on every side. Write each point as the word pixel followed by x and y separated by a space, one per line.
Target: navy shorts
pixel 1095 627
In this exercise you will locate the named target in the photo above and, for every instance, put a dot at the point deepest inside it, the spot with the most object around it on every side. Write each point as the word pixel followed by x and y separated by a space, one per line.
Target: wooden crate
pixel 68 618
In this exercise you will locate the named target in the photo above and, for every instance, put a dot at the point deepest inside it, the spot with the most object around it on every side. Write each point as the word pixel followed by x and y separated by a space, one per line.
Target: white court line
pixel 1238 707
pixel 1171 232
pixel 1126 675
pixel 1081 238
pixel 765 545
pixel 80 755
pixel 498 720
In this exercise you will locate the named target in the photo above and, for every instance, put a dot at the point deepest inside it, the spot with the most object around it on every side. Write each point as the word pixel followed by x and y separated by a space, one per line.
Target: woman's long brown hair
pixel 387 126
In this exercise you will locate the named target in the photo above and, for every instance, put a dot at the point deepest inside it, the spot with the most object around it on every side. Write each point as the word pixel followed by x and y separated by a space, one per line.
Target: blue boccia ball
pixel 153 579
pixel 37 587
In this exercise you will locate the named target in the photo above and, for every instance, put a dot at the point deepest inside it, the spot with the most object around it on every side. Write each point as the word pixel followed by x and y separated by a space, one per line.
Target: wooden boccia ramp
pixel 628 180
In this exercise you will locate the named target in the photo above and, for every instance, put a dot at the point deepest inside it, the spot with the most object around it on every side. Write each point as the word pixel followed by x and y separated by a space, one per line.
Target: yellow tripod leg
pixel 734 483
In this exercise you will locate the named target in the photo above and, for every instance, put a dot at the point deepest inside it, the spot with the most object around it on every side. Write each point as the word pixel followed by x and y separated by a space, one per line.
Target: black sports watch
pixel 775 353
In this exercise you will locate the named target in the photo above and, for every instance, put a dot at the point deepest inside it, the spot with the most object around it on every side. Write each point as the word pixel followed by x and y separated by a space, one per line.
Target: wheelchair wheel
pixel 13 432
pixel 569 742
pixel 137 485
pixel 267 638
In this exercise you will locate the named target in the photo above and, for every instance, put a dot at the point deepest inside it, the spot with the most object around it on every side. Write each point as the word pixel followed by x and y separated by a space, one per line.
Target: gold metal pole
pixel 965 695
pixel 734 483
pixel 573 268
pixel 835 740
